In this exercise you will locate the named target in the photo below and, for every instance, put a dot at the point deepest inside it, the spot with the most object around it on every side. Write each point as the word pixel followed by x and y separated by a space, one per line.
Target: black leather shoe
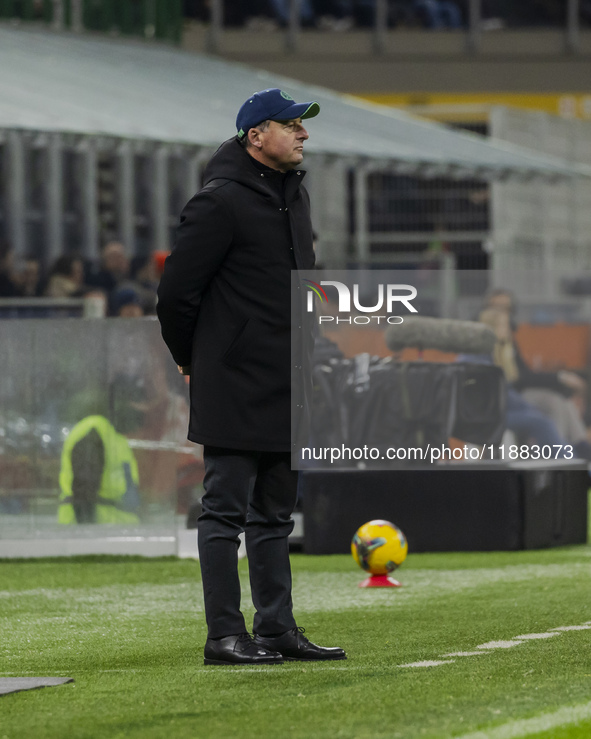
pixel 238 649
pixel 293 645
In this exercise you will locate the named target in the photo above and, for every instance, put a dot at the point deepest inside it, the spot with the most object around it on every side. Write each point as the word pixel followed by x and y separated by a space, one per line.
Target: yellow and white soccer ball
pixel 379 547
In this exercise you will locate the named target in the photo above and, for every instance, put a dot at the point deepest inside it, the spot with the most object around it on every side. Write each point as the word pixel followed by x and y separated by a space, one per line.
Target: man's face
pixel 114 258
pixel 281 146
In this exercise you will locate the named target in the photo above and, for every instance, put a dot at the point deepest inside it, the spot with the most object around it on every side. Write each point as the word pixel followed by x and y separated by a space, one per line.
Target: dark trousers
pixel 254 492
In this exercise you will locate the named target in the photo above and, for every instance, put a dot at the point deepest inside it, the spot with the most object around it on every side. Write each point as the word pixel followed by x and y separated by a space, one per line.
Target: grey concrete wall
pixel 508 61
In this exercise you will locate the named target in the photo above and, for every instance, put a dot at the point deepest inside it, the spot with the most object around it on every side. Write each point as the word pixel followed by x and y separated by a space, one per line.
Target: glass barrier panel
pixel 93 426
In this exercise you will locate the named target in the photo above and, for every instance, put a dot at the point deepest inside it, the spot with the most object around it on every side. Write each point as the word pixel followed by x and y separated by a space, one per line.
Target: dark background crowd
pixel 342 15
pixel 128 285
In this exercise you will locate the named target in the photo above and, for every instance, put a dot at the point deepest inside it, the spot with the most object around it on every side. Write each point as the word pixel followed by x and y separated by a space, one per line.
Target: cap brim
pixel 297 110
pixel 311 111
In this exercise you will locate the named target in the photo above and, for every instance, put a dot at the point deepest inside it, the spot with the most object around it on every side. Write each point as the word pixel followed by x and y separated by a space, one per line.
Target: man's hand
pixel 186 370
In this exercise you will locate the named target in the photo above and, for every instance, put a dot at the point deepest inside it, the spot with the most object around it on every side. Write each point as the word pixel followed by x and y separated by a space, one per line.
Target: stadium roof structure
pixel 90 85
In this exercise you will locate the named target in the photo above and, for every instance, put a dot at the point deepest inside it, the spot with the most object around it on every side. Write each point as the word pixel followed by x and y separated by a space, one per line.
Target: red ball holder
pixel 380 581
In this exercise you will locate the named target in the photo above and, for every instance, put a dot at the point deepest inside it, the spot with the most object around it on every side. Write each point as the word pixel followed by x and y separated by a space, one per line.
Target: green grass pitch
pixel 131 631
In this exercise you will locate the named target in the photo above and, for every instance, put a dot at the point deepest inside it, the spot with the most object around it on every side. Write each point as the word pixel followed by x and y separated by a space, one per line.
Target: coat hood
pixel 232 162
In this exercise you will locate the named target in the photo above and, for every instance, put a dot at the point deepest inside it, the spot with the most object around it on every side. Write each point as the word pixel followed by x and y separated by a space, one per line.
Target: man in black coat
pixel 225 311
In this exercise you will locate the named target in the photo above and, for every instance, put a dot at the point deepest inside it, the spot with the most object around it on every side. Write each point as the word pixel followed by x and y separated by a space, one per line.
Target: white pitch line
pixel 545 635
pixel 490 646
pixel 565 716
pixel 465 654
pixel 499 644
pixel 429 663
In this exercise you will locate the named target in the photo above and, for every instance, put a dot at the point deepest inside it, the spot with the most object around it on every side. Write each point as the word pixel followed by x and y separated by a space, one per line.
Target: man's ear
pixel 254 138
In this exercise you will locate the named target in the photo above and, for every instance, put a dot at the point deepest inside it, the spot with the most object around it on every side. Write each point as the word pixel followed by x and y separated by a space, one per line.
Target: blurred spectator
pixel 550 393
pixel 564 382
pixel 144 271
pixel 492 16
pixel 127 304
pixel 341 15
pixel 281 11
pixel 66 278
pixel 526 12
pixel 438 14
pixel 29 279
pixel 137 294
pixel 114 269
pixel 236 12
pixel 8 285
pixel 523 418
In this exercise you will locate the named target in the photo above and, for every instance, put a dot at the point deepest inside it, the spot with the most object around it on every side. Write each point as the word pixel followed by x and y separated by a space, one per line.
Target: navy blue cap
pixel 271 105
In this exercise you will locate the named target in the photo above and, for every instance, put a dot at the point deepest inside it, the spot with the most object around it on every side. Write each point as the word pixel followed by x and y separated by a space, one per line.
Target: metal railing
pixel 45 308
pixel 473 30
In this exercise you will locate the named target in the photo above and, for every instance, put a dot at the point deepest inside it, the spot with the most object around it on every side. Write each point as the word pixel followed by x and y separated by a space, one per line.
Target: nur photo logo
pixel 388 297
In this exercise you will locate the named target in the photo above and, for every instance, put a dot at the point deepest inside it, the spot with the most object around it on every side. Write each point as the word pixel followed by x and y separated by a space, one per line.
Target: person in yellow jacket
pixel 99 475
